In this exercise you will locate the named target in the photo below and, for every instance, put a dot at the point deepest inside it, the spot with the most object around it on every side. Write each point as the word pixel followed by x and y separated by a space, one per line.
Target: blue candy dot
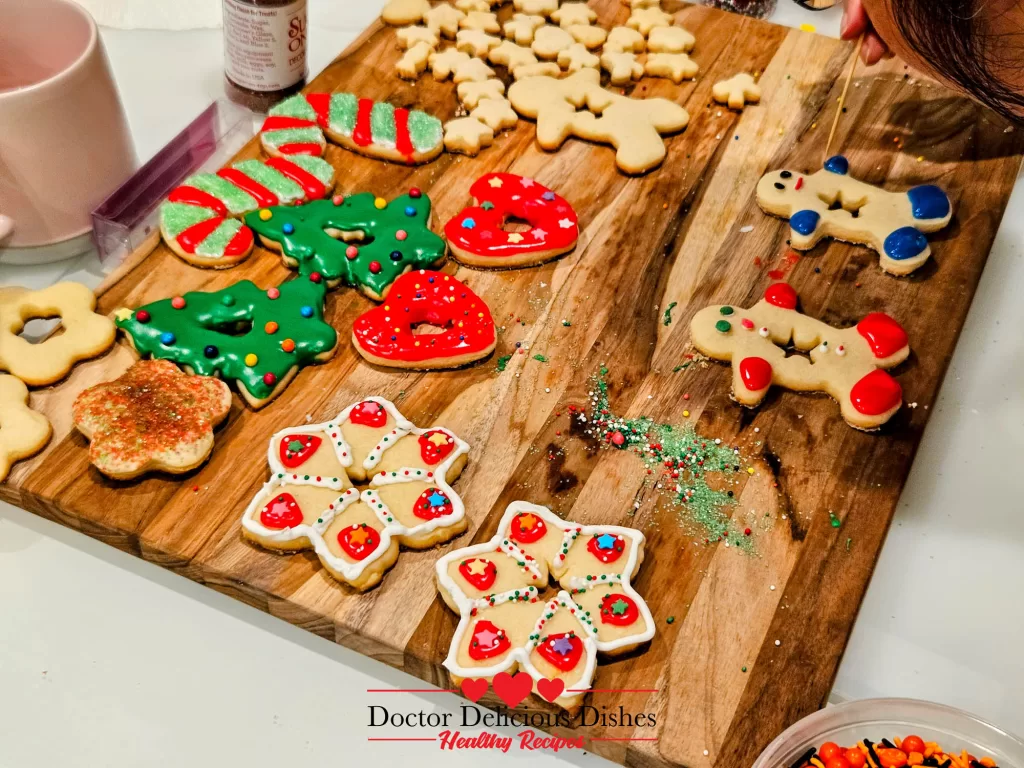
pixel 468 223
pixel 928 202
pixel 804 222
pixel 396 255
pixel 905 243
pixel 211 351
pixel 410 211
pixel 288 228
pixel 167 338
pixel 306 311
pixel 838 164
pixel 430 279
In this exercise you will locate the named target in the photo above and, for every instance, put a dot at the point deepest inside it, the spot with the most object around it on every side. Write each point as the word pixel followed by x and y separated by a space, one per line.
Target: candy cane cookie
pixel 476 235
pixel 297 126
pixel 200 221
pixel 846 363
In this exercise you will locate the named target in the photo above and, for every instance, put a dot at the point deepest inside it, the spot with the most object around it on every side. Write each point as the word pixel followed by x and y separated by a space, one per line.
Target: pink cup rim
pixel 67 72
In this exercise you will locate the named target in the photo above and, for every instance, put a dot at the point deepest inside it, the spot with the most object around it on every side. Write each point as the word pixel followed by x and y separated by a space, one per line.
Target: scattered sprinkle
pixel 540 358
pixel 503 361
pixel 668 313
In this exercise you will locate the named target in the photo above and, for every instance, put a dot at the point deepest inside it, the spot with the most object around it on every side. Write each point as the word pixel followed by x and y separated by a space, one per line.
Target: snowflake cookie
pixel 507 624
pixel 310 501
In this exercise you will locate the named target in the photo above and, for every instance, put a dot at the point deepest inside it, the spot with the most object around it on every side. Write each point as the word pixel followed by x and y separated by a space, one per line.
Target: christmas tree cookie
pixel 297 126
pixel 258 339
pixel 509 623
pixel 406 497
pixel 200 219
pixel 385 239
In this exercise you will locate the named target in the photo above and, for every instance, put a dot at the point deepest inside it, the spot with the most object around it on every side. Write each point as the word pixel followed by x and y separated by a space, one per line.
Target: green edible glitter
pixel 723 326
pixel 503 362
pixel 668 313
pixel 540 358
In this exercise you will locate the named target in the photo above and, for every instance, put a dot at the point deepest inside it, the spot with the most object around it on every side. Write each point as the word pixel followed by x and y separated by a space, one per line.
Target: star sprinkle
pixel 515 237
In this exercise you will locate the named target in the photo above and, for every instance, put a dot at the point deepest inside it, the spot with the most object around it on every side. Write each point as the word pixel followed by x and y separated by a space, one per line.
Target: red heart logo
pixel 550 689
pixel 473 688
pixel 512 689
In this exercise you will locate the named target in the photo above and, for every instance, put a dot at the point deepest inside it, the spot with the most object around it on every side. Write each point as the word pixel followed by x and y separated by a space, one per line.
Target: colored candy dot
pixel 396 255
pixel 468 223
pixel 288 228
pixel 167 338
pixel 273 293
pixel 227 299
pixel 618 438
pixel 380 203
pixel 410 211
pixel 288 345
pixel 315 277
pixel 270 327
pixel 726 310
pixel 306 311
pixel 142 316
pixel 211 351
pixel 178 302
pixel 251 359
pixel 375 267
pixel 723 326
pixel 415 193
pixel 352 252
pixel 401 234
pixel 269 379
pixel 266 215
pixel 338 199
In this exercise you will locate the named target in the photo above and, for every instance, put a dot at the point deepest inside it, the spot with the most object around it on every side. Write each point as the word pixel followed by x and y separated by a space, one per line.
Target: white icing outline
pixel 282 477
pixel 471 609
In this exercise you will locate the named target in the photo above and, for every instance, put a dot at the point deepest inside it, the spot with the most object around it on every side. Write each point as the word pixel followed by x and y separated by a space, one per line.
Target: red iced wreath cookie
pixel 386 335
pixel 476 237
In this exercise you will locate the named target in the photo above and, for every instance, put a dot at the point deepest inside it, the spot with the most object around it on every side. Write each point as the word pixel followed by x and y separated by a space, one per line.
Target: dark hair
pixel 956 38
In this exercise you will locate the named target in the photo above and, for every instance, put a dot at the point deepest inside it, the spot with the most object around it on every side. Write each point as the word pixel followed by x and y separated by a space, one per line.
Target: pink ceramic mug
pixel 64 138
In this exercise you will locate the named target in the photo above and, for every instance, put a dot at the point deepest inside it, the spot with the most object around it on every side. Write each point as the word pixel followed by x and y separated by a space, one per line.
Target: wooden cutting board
pixel 756 639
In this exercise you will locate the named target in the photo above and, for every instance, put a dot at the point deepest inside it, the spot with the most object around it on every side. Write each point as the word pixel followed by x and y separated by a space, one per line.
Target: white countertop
pixel 108 660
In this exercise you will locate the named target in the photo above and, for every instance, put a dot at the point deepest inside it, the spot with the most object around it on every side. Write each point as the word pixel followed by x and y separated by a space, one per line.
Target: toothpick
pixel 842 98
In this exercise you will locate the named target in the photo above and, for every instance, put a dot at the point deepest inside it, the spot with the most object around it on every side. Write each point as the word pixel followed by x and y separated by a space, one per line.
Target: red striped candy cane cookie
pixel 200 220
pixel 376 129
pixel 476 235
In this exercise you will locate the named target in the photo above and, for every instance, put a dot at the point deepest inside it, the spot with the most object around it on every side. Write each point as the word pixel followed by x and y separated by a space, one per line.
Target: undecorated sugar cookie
pixel 401 12
pixel 413 61
pixel 634 4
pixel 510 55
pixel 472 71
pixel 484 21
pixel 737 91
pixel 496 114
pixel 670 40
pixel 406 498
pixel 521 28
pixel 831 203
pixel 476 42
pixel 539 69
pixel 576 57
pixel 846 363
pixel 624 39
pixel 674 66
pixel 471 93
pixel 410 36
pixel 643 20
pixel 590 36
pixel 510 619
pixel 622 68
pixel 23 432
pixel 386 335
pixel 444 20
pixel 570 14
pixel 467 6
pixel 536 7
pixel 443 63
pixel 467 135
pixel 549 41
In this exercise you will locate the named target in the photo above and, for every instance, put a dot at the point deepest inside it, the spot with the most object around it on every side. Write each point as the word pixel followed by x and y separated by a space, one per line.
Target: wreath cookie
pixel 476 235
pixel 200 220
pixel 297 126
pixel 385 335
pixel 154 417
pixel 384 239
pixel 310 501
pixel 23 432
pixel 846 363
pixel 85 333
pixel 258 339
pixel 496 588
pixel 830 203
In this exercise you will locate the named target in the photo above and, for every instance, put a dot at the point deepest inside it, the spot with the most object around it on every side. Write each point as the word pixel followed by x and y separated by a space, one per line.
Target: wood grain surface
pixel 674 235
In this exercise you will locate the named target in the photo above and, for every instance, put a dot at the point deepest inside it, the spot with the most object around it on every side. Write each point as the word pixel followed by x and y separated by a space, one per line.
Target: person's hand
pixel 855 21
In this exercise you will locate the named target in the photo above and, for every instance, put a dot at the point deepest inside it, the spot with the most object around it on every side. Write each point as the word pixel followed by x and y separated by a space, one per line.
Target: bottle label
pixel 264 48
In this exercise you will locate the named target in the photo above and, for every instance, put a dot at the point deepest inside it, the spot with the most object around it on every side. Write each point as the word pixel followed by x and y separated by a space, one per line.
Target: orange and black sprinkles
pixel 910 751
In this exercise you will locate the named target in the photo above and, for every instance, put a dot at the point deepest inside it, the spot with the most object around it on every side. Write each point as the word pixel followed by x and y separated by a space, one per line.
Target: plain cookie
pixel 23 432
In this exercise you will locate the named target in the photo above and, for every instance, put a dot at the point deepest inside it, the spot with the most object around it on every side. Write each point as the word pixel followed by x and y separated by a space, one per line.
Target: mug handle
pixel 6 227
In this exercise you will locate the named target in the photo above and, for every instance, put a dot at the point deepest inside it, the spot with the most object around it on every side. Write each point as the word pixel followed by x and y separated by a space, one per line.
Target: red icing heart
pixel 756 373
pixel 359 541
pixel 512 689
pixel 474 688
pixel 369 414
pixel 614 613
pixel 281 512
pixel 295 450
pixel 526 528
pixel 550 689
pixel 563 651
pixel 781 295
pixel 487 642
pixel 884 335
pixel 432 450
pixel 385 333
pixel 479 578
pixel 432 504
pixel 876 393
pixel 606 554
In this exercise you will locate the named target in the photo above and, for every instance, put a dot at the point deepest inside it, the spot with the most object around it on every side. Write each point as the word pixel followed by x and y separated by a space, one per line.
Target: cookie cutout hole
pixel 40 328
pixel 237 328
pixel 356 237
pixel 429 329
pixel 515 224
pixel 838 202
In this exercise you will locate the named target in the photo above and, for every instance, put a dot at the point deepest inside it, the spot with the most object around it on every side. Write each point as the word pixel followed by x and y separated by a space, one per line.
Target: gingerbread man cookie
pixel 23 432
pixel 152 418
pixel 505 624
pixel 522 27
pixel 830 203
pixel 846 363
pixel 386 335
pixel 737 91
pixel 622 68
pixel 85 333
pixel 476 235
pixel 310 501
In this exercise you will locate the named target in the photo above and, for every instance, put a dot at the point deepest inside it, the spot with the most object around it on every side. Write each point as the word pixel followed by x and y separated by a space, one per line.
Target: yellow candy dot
pixel 380 203
pixel 750 470
pixel 685 414
pixel 266 215
pixel 251 359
